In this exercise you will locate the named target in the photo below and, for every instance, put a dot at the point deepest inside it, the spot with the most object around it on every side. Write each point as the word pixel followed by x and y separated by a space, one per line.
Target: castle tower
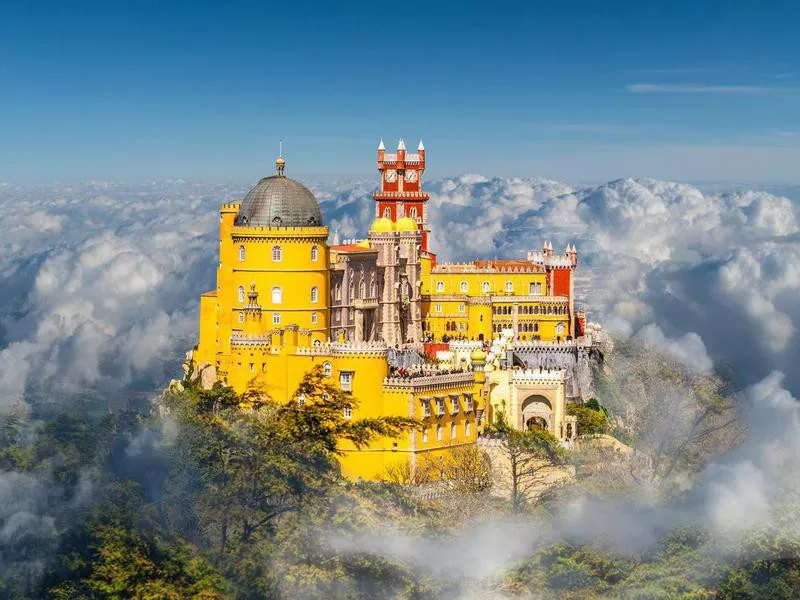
pixel 272 275
pixel 400 194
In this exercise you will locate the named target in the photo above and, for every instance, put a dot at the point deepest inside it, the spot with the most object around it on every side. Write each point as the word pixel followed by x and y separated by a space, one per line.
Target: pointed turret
pixel 381 151
pixel 421 147
pixel 401 153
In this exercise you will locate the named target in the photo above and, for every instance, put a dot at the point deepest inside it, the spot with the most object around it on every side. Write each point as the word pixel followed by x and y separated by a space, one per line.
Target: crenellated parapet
pixel 539 377
pixel 372 349
pixel 251 341
pixel 254 234
pixel 465 345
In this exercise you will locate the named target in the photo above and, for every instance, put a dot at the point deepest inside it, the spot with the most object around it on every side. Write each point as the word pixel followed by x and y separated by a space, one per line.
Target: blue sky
pixel 582 91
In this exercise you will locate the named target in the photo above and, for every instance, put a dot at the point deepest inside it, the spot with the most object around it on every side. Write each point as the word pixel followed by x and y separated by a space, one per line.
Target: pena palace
pixel 455 345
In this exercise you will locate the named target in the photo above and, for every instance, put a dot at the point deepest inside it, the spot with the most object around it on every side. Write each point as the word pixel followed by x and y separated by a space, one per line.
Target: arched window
pixel 387 212
pixel 413 212
pixel 337 292
pixel 373 293
pixel 277 254
pixel 241 293
pixel 277 295
pixel 464 287
pixel 327 369
pixel 560 329
pixel 241 253
pixel 439 286
pixel 362 289
pixel 314 253
pixel 509 287
pixel 535 328
pixel 315 294
pixel 536 309
pixel 276 318
pixel 486 287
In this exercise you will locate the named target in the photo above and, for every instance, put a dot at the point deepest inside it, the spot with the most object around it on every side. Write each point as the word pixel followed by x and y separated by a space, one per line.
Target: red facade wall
pixel 561 279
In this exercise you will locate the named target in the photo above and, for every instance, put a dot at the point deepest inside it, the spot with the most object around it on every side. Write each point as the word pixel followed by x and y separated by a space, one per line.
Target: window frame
pixel 277 251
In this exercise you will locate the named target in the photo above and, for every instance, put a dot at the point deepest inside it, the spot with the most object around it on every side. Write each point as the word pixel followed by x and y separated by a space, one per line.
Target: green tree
pixel 527 452
pixel 243 468
pixel 589 420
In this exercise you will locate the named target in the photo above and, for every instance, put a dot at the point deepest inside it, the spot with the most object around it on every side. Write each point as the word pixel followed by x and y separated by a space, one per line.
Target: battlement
pixel 239 232
pixel 538 377
pixel 487 267
pixel 334 348
pixel 240 339
pixel 465 345
pixel 401 196
pixel 228 207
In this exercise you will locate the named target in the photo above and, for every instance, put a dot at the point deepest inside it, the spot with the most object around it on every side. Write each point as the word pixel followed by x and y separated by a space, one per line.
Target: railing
pixel 498 298
pixel 430 379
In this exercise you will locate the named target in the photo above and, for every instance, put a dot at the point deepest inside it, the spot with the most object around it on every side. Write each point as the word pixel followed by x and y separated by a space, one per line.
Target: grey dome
pixel 279 201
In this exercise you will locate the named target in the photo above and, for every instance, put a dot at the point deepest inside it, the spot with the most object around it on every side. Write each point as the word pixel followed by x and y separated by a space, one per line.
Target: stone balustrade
pixel 429 379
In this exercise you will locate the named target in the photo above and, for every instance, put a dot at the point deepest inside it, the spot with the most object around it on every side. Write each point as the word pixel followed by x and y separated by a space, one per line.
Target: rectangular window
pixel 452 431
pixel 314 318
pixel 346 381
pixel 426 407
pixel 462 308
pixel 348 412
pixel 438 308
pixel 468 402
pixel 241 317
pixel 440 406
pixel 425 436
pixel 466 429
pixel 454 402
pixel 276 318
pixel 438 433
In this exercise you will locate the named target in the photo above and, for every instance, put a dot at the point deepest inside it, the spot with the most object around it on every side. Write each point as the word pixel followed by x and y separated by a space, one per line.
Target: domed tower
pixel 273 271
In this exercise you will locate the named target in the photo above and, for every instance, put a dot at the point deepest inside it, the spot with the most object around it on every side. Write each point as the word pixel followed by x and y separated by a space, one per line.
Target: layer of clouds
pixel 100 284
pixel 100 280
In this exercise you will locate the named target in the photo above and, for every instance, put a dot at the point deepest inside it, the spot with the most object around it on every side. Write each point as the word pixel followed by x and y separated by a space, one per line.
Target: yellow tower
pixel 272 278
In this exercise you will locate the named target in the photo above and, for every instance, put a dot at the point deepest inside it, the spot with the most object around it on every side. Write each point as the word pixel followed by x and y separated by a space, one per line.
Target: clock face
pixel 411 176
pixel 391 176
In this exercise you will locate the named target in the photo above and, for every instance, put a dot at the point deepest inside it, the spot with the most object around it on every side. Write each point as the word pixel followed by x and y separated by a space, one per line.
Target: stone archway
pixel 536 422
pixel 536 411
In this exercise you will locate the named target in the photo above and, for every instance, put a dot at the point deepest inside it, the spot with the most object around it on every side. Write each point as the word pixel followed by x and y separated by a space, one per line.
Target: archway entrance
pixel 535 423
pixel 536 412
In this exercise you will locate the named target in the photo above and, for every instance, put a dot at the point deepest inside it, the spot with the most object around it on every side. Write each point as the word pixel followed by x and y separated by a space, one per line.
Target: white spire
pixel 401 145
pixel 549 246
pixel 420 147
pixel 381 146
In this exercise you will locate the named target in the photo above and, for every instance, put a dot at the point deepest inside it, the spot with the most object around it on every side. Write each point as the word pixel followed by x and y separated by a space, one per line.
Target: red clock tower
pixel 401 192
